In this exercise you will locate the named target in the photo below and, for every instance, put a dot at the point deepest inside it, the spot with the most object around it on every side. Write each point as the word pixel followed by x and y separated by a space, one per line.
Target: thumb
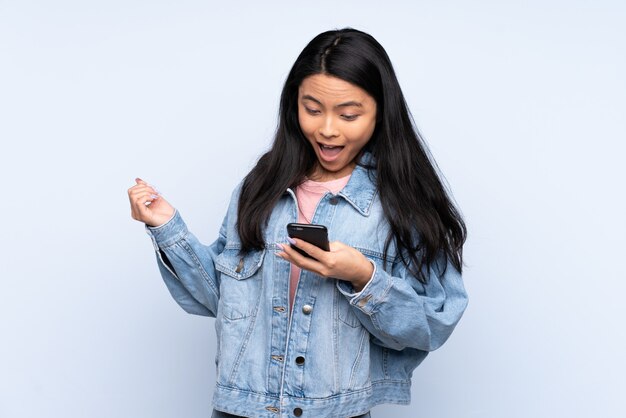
pixel 140 181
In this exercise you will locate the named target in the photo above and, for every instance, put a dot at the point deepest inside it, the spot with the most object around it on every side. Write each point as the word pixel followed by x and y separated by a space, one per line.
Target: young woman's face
pixel 338 118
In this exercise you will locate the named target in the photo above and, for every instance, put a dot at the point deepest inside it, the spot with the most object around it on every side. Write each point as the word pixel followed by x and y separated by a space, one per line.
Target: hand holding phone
pixel 343 263
pixel 311 233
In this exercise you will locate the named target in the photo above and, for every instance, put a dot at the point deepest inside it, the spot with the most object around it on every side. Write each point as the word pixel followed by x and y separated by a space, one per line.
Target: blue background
pixel 522 104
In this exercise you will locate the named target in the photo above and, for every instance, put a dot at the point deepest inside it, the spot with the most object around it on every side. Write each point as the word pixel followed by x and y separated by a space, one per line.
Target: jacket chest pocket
pixel 240 282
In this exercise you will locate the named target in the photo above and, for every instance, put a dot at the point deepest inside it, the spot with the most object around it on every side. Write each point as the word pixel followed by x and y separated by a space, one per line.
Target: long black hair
pixel 423 220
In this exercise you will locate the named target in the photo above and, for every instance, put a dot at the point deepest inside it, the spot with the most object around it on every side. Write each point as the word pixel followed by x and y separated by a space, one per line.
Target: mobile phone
pixel 311 233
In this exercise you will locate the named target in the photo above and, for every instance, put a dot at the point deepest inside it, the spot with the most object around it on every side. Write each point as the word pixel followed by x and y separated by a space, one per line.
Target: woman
pixel 336 333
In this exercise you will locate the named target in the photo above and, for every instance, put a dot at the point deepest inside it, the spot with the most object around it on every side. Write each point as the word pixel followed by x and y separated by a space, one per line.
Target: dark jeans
pixel 219 414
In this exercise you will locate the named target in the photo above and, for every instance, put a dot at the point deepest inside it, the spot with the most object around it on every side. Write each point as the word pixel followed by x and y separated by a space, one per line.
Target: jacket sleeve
pixel 400 312
pixel 187 266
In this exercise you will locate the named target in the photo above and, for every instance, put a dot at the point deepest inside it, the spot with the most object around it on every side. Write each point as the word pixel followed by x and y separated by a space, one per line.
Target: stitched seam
pixel 196 260
pixel 181 236
pixel 366 251
pixel 357 361
pixel 246 340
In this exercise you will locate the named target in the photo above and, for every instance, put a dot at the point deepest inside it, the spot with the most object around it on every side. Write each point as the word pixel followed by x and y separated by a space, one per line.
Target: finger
pixel 301 261
pixel 140 181
pixel 143 194
pixel 139 207
pixel 310 249
pixel 292 253
pixel 141 200
pixel 281 253
pixel 140 188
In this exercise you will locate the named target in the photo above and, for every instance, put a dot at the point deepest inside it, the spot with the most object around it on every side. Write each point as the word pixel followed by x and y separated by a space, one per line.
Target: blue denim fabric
pixel 347 351
pixel 219 414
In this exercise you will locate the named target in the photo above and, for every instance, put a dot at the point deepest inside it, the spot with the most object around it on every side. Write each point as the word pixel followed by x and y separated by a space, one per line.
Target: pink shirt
pixel 309 194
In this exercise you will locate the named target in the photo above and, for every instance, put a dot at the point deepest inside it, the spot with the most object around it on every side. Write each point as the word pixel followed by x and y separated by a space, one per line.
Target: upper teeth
pixel 329 146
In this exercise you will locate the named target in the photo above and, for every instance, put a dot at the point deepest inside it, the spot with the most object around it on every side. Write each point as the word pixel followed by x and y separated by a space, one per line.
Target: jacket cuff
pixel 168 233
pixel 374 292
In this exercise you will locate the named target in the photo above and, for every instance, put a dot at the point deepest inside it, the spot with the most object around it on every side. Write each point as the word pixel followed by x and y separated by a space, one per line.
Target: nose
pixel 327 128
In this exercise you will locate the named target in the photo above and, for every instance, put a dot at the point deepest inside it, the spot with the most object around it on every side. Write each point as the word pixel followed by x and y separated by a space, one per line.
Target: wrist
pixel 366 275
pixel 161 220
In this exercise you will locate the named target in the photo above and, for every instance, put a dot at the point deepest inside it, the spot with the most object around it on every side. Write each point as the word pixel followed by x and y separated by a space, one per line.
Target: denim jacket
pixel 339 352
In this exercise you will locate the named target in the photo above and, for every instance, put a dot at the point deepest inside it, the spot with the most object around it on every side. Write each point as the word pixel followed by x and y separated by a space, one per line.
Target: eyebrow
pixel 344 104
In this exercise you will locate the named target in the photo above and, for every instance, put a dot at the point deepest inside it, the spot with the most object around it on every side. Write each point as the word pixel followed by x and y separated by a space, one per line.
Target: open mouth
pixel 330 152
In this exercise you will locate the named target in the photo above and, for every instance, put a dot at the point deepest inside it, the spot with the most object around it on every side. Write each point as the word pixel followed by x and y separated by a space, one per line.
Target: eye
pixel 311 111
pixel 349 117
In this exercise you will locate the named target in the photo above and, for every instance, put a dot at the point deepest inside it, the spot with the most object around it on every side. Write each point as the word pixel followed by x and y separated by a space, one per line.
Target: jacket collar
pixel 361 187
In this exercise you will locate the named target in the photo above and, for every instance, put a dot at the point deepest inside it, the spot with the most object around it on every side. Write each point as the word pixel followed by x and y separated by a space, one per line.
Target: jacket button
pixel 297 412
pixel 333 201
pixel 307 309
pixel 299 360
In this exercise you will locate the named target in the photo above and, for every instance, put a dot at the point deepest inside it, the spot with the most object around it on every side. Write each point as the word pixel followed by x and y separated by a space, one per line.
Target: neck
pixel 320 174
